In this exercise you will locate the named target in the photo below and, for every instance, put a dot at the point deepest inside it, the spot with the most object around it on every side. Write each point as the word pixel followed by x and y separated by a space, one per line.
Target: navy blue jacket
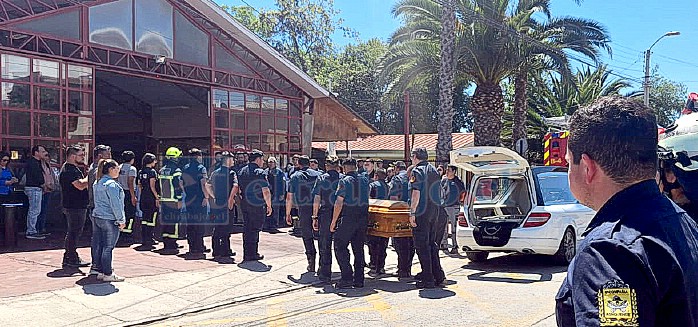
pixel 251 180
pixel 637 265
pixel 326 186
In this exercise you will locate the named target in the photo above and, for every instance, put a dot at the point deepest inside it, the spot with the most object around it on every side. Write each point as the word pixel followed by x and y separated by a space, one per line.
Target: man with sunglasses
pixel 75 198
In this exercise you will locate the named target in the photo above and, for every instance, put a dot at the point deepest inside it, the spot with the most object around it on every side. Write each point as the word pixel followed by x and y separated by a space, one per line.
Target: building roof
pixel 282 65
pixel 397 142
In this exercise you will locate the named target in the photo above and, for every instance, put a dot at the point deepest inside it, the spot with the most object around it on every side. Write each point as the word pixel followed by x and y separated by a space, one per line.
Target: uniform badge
pixel 617 304
pixel 413 179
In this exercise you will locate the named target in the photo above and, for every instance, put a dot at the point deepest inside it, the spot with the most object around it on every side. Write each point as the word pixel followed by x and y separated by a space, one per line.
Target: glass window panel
pixel 52 147
pixel 80 77
pixel 45 71
pixel 253 122
pixel 222 119
pixel 268 105
pixel 15 95
pixel 220 98
pixel 237 101
pixel 237 138
pixel 281 143
pixel 253 141
pixel 252 102
pixel 267 124
pixel 295 127
pixel 79 128
pixel 282 107
pixel 47 98
pixel 295 144
pixel 19 151
pixel 79 102
pixel 237 120
pixel 281 125
pixel 47 125
pixel 154 27
pixel 15 67
pixel 267 142
pixel 111 24
pixel 64 25
pixel 18 123
pixel 295 109
pixel 221 139
pixel 191 43
pixel 226 61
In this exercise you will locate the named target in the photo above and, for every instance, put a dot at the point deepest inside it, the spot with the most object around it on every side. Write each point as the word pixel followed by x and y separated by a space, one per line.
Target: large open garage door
pixel 149 115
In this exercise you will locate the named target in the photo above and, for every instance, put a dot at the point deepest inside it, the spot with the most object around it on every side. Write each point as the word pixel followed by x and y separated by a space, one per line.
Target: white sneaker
pixel 94 272
pixel 112 278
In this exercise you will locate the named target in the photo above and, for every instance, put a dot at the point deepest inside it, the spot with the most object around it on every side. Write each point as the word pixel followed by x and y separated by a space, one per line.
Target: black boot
pixel 311 263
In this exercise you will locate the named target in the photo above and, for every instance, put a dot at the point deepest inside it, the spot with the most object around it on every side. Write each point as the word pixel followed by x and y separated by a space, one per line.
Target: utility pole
pixel 646 89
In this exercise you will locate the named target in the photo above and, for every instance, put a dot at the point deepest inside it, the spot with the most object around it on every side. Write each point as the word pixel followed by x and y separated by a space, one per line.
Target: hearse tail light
pixel 537 219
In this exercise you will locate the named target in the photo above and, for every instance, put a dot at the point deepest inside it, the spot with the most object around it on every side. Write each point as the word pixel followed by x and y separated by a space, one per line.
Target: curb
pixel 233 301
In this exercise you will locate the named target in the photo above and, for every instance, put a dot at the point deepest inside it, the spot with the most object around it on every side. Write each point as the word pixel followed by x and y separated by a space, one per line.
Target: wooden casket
pixel 388 218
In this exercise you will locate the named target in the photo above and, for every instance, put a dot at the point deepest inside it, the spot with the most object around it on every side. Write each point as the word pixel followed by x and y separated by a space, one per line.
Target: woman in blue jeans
pixel 108 219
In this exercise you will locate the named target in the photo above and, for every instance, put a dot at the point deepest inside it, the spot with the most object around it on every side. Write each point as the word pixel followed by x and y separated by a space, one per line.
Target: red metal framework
pixel 16 9
pixel 266 79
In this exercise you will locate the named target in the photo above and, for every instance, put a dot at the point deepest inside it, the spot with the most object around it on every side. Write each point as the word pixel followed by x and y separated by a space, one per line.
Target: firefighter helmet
pixel 173 152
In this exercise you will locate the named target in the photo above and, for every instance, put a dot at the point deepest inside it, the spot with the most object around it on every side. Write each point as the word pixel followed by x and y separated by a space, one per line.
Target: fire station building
pixel 145 75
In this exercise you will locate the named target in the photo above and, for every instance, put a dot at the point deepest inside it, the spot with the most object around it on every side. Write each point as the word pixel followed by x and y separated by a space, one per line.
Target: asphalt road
pixel 507 290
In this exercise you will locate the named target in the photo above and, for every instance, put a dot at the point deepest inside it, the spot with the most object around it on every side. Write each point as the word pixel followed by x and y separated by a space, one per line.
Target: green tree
pixel 301 30
pixel 489 38
pixel 667 97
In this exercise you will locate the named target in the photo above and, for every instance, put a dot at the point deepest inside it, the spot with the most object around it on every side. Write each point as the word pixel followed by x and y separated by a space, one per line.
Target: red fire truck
pixel 555 146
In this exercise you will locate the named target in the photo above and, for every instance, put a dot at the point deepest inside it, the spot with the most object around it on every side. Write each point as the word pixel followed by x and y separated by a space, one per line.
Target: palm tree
pixel 447 71
pixel 546 51
pixel 488 49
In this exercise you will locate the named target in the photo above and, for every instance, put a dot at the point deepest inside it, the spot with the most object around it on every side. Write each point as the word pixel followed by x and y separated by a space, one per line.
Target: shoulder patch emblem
pixel 617 304
pixel 413 179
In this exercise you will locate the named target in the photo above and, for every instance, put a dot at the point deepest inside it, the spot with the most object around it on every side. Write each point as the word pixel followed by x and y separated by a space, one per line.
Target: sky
pixel 633 26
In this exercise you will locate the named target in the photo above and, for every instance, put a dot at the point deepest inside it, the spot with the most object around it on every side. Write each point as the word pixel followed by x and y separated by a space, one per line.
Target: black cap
pixel 254 154
pixel 349 162
pixel 400 164
pixel 304 160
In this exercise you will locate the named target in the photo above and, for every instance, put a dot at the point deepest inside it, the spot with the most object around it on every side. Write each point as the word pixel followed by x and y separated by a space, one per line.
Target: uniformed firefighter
pixel 224 188
pixel 149 201
pixel 171 188
pixel 299 195
pixel 323 206
pixel 349 224
pixel 404 246
pixel 424 218
pixel 256 204
pixel 378 189
pixel 195 177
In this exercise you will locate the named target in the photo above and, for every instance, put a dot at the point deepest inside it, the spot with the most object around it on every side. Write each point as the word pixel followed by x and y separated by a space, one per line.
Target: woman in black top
pixel 149 201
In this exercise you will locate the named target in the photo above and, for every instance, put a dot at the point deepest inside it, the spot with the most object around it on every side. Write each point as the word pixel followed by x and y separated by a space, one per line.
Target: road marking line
pixel 384 308
pixel 275 313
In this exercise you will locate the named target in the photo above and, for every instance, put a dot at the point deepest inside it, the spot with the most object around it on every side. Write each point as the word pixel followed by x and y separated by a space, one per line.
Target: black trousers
pixel 130 211
pixel 169 218
pixel 427 246
pixel 325 246
pixel 351 231
pixel 75 222
pixel 404 246
pixel 252 225
pixel 148 225
pixel 221 234
pixel 378 247
pixel 305 214
pixel 196 227
pixel 441 222
pixel 272 222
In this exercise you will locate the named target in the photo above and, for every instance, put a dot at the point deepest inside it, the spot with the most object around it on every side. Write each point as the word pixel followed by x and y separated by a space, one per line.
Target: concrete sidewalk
pixel 35 291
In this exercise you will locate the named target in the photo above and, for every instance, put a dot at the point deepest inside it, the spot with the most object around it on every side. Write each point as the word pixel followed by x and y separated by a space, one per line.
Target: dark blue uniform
pixel 377 245
pixel 277 187
pixel 352 227
pixel 425 179
pixel 252 181
pixel 192 175
pixel 301 185
pixel 404 246
pixel 637 265
pixel 222 180
pixel 325 187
